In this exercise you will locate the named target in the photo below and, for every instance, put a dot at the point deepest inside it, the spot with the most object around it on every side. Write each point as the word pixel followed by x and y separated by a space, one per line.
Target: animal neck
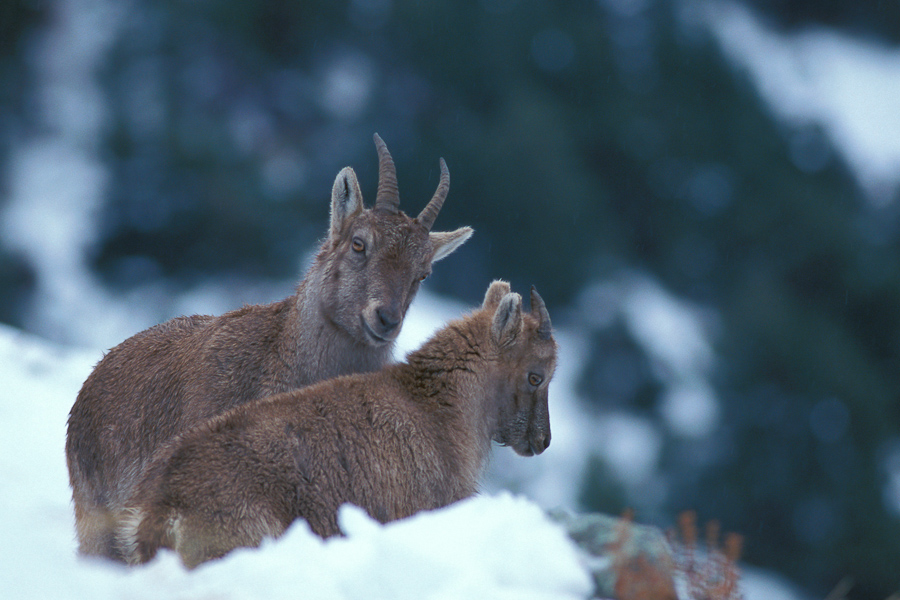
pixel 449 372
pixel 316 347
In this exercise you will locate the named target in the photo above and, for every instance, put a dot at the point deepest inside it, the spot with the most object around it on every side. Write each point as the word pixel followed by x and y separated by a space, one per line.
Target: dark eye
pixel 358 245
pixel 423 277
pixel 535 379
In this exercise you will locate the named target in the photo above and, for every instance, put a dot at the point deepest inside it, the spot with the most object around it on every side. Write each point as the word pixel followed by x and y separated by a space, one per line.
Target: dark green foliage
pixel 18 22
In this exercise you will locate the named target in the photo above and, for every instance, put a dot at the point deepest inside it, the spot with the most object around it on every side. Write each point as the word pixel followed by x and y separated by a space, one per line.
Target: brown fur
pixel 342 319
pixel 412 437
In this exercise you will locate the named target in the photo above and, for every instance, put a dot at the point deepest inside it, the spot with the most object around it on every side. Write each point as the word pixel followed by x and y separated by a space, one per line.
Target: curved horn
pixel 538 307
pixel 431 210
pixel 388 196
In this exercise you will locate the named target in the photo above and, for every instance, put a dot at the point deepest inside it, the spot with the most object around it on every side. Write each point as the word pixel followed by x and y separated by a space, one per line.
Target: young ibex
pixel 412 437
pixel 343 318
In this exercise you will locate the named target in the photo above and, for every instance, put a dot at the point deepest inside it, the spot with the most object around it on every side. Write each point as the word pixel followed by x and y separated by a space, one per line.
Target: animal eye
pixel 423 277
pixel 535 379
pixel 358 245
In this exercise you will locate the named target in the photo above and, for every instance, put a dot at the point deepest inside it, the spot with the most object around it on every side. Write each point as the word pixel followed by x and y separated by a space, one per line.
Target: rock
pixel 627 561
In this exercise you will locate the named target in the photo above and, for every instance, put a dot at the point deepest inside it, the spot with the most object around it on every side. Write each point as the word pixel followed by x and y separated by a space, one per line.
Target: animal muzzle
pixel 531 444
pixel 537 434
pixel 382 322
pixel 538 441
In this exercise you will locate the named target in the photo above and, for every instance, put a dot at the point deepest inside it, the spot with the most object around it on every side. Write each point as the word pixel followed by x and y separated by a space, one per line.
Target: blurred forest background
pixel 589 143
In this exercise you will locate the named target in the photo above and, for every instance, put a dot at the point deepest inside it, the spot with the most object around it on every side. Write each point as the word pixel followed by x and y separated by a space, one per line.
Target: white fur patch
pixel 127 532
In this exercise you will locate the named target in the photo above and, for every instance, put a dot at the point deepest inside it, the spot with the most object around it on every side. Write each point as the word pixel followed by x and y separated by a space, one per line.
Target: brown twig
pixel 715 575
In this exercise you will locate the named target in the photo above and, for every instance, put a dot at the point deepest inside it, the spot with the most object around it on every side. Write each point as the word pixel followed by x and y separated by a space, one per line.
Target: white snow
pixel 677 338
pixel 676 335
pixel 846 85
pixel 690 410
pixel 670 330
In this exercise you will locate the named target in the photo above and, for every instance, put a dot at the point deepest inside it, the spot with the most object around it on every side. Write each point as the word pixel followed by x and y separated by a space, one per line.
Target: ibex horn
pixel 431 210
pixel 388 196
pixel 538 306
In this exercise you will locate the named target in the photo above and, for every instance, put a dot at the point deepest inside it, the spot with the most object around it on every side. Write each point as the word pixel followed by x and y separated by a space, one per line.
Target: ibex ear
pixel 508 320
pixel 445 242
pixel 495 293
pixel 346 199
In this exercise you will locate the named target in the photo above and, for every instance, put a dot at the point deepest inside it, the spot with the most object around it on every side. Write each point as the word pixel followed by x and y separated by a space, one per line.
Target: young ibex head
pixel 526 352
pixel 379 255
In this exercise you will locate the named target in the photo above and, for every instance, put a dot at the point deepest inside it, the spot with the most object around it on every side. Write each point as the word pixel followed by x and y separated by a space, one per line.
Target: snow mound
pixel 486 547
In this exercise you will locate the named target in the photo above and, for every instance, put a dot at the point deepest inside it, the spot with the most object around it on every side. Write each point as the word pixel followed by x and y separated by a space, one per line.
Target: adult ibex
pixel 411 437
pixel 343 318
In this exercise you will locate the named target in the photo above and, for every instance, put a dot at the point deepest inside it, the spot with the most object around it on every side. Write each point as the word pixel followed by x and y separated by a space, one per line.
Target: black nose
pixel 387 319
pixel 539 443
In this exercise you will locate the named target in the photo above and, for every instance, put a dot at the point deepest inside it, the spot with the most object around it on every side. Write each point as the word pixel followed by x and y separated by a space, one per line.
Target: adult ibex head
pixel 376 257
